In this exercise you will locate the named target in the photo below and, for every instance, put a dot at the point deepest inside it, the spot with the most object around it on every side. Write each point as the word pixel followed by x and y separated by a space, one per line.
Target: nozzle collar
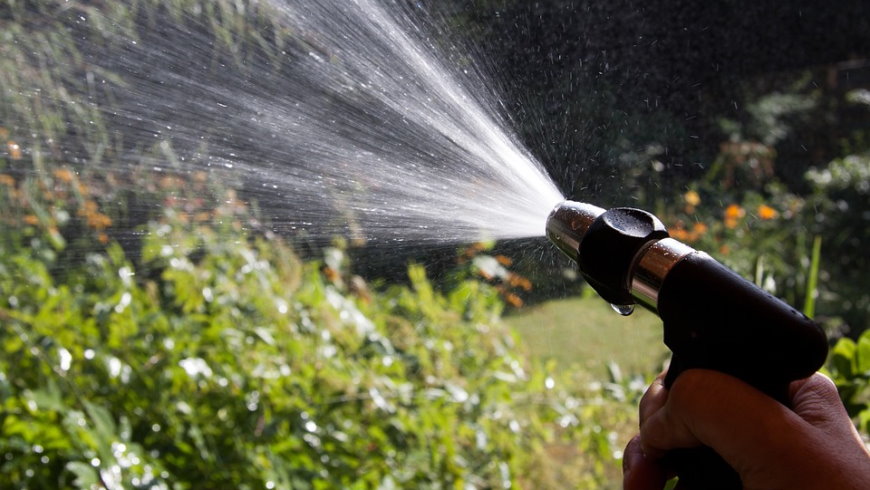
pixel 612 245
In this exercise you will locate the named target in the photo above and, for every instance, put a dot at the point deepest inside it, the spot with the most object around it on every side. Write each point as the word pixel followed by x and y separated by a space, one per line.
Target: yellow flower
pixel 692 198
pixel 766 212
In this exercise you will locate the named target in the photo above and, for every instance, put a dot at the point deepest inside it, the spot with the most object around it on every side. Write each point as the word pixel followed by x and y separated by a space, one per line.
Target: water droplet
pixel 623 310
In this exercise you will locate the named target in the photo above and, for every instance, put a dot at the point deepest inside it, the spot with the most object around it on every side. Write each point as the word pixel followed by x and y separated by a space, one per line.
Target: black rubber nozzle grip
pixel 610 247
pixel 715 319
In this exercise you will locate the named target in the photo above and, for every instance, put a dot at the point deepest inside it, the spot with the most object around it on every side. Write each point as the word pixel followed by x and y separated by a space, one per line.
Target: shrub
pixel 217 358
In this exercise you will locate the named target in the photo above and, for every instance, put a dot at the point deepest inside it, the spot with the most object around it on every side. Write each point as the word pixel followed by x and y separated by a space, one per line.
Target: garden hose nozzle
pixel 712 317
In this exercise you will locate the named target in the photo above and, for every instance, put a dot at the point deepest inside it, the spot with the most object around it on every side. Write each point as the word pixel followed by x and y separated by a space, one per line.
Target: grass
pixel 587 333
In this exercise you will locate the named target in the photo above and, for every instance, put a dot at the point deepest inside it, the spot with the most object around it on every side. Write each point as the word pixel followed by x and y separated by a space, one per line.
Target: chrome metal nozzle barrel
pixel 568 222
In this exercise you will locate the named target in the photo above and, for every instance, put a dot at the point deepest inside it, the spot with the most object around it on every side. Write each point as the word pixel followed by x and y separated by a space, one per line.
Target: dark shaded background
pixel 594 88
pixel 595 78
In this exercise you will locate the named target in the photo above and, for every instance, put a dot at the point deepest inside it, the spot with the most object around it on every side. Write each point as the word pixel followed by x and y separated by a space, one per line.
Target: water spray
pixel 712 317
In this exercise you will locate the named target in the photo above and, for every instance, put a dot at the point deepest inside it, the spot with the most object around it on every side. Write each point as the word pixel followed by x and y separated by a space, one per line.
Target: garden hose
pixel 712 318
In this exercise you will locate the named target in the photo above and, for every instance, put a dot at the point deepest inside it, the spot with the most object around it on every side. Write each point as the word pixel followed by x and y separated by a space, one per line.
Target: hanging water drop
pixel 623 310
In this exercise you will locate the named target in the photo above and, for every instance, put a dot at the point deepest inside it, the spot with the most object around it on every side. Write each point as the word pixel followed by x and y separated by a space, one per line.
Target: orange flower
pixel 63 175
pixel 679 233
pixel 169 182
pixel 7 180
pixel 14 150
pixel 31 220
pixel 331 274
pixel 519 281
pixel 99 221
pixel 103 238
pixel 95 219
pixel 766 212
pixel 513 300
pixel 734 211
pixel 504 260
pixel 88 207
pixel 724 250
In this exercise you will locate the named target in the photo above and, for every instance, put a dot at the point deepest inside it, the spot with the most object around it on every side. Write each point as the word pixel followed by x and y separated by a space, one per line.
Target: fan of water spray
pixel 361 129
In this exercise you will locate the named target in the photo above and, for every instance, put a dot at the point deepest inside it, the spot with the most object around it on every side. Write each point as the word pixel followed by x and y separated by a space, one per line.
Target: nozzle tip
pixel 568 222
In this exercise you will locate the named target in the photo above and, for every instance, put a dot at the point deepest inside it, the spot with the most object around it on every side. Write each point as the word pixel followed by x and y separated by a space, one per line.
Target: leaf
pixel 49 398
pixel 104 425
pixel 86 476
pixel 843 358
pixel 813 279
pixel 862 355
pixel 265 335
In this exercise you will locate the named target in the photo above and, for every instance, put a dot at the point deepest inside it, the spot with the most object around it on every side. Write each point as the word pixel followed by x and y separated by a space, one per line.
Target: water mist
pixel 355 128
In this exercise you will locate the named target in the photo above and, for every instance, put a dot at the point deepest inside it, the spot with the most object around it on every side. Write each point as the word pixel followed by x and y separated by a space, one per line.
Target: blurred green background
pixel 157 334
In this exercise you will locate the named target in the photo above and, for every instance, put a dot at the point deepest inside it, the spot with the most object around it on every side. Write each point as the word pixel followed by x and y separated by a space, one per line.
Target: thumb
pixel 639 472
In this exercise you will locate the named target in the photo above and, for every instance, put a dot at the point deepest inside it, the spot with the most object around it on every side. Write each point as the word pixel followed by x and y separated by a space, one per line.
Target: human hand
pixel 812 445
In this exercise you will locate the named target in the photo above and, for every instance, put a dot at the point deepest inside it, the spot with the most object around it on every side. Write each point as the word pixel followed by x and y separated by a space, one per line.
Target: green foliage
pixel 218 359
pixel 747 214
pixel 206 354
pixel 813 280
pixel 849 366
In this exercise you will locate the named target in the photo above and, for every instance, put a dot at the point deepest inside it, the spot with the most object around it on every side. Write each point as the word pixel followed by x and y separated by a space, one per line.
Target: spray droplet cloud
pixel 361 130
